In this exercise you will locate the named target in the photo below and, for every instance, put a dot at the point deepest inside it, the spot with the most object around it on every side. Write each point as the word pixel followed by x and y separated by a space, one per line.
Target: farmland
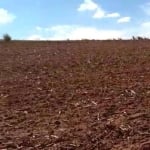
pixel 75 95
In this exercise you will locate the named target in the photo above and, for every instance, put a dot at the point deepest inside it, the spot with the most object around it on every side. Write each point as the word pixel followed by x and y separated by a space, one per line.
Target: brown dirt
pixel 75 95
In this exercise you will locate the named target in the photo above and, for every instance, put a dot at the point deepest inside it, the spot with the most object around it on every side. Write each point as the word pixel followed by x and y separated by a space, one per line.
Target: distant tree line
pixel 134 38
pixel 7 38
pixel 139 38
pixel 119 39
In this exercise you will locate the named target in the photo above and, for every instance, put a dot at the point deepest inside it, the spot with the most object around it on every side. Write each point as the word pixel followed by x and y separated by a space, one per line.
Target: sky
pixel 74 19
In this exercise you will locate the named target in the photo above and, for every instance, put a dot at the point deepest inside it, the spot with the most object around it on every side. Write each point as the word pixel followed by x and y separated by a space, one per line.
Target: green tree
pixel 6 37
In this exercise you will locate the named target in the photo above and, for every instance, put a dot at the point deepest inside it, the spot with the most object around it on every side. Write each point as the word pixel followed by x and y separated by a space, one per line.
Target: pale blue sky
pixel 74 19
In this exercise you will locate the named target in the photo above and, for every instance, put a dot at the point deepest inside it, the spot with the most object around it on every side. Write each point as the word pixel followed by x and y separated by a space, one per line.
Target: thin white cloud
pixel 75 32
pixel 94 33
pixel 6 17
pixel 124 20
pixel 143 30
pixel 146 24
pixel 113 15
pixel 35 37
pixel 100 13
pixel 88 5
pixel 146 8
pixel 38 28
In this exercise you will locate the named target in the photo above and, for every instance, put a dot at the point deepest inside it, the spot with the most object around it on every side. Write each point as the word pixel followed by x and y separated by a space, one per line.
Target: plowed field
pixel 75 95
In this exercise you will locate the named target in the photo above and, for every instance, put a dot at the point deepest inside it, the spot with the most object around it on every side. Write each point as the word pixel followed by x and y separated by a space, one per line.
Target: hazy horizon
pixel 74 19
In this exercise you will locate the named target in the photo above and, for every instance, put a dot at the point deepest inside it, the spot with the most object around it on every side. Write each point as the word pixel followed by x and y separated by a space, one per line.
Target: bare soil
pixel 75 95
